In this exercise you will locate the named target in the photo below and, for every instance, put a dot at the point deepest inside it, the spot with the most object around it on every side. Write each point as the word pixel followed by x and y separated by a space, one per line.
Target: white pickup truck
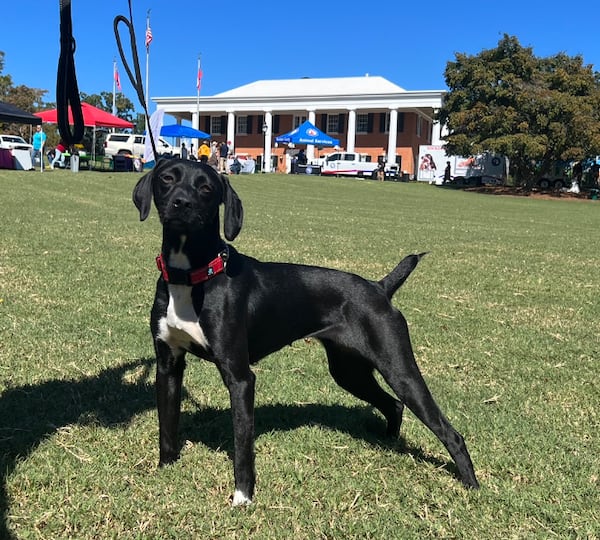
pixel 353 164
pixel 133 144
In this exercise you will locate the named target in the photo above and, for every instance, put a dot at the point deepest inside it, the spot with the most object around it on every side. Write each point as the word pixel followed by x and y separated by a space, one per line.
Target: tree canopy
pixel 28 99
pixel 104 101
pixel 534 110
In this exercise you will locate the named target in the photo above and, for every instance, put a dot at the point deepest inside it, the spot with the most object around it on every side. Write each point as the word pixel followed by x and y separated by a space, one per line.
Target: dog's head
pixel 187 195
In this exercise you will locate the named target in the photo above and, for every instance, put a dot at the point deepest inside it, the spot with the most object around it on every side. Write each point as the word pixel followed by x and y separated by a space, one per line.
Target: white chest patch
pixel 180 327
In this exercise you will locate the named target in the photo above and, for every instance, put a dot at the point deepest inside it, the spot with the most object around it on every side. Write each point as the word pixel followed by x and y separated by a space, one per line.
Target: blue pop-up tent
pixel 306 133
pixel 178 130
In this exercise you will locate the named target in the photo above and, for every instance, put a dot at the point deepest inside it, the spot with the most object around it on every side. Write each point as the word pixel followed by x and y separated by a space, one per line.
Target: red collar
pixel 175 276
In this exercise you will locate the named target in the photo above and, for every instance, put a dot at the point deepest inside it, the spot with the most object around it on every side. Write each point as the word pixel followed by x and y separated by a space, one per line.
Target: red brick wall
pixel 373 143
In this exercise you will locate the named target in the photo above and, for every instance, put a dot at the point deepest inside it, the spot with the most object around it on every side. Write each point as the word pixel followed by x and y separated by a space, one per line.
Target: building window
pixel 384 122
pixel 298 120
pixel 333 123
pixel 215 125
pixel 362 123
pixel 400 122
pixel 241 127
pixel 419 125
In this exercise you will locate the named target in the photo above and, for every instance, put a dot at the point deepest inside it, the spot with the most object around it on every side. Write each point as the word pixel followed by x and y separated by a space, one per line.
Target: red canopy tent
pixel 92 117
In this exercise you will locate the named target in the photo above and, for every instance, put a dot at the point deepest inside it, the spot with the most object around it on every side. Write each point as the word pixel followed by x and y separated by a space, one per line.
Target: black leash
pixel 67 92
pixel 136 80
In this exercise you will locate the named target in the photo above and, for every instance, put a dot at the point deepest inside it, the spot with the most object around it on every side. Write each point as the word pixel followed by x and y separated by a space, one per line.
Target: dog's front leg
pixel 169 379
pixel 239 379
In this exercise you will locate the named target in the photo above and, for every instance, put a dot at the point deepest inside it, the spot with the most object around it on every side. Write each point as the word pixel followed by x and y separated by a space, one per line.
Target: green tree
pixel 534 110
pixel 5 80
pixel 125 108
pixel 24 97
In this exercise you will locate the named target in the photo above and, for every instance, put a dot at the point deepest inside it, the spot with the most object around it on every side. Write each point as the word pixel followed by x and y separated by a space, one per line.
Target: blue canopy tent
pixel 178 130
pixel 306 133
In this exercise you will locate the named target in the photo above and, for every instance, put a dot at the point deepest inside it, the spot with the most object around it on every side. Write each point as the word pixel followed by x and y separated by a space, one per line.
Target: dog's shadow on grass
pixel 32 413
pixel 213 427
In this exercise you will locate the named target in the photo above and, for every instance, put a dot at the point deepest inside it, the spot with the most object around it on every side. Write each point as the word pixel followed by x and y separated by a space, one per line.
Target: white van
pixel 132 144
pixel 353 164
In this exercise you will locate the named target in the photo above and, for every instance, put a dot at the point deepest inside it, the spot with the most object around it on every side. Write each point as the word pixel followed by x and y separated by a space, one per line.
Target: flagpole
pixel 147 61
pixel 198 83
pixel 114 103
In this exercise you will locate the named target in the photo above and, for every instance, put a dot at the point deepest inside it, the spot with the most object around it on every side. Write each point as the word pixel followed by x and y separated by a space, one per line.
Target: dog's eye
pixel 205 188
pixel 167 178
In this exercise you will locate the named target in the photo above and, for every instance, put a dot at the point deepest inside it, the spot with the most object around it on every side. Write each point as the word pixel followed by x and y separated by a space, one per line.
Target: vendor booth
pixel 306 134
pixel 16 158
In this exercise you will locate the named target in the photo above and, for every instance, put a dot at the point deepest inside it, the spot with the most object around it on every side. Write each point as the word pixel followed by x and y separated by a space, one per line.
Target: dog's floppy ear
pixel 234 212
pixel 142 195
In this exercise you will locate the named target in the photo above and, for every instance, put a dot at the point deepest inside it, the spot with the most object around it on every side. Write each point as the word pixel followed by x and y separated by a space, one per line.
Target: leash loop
pixel 134 78
pixel 67 92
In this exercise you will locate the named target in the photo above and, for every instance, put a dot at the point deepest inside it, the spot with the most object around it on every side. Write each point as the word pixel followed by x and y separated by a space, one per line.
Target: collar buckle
pixel 176 276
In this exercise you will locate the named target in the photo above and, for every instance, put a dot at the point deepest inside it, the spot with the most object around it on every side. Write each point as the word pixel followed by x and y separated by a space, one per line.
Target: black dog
pixel 233 310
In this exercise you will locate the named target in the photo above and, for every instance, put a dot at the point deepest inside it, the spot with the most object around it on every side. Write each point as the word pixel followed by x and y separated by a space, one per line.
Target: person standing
pixel 184 151
pixel 203 152
pixel 223 152
pixel 595 171
pixel 301 157
pixel 39 138
pixel 447 173
pixel 213 160
pixel 382 160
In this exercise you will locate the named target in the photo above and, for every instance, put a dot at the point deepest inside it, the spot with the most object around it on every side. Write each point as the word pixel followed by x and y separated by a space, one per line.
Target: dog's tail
pixel 394 280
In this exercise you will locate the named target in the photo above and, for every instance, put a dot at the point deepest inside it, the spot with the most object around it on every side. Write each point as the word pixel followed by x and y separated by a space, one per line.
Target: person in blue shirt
pixel 39 138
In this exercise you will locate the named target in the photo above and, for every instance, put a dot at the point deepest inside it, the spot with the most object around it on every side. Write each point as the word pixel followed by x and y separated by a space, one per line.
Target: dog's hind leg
pixel 169 379
pixel 420 401
pixel 404 378
pixel 355 374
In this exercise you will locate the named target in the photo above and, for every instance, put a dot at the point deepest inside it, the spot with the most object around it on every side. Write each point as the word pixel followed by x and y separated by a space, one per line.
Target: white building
pixel 367 114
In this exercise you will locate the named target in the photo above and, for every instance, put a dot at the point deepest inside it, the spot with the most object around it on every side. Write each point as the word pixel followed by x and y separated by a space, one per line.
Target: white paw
pixel 239 499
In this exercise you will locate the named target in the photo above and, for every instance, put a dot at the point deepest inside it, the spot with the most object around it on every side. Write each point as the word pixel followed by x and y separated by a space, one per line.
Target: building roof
pixel 308 87
pixel 291 95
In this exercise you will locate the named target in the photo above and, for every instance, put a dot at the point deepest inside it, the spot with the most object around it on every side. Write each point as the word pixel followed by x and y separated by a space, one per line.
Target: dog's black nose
pixel 181 203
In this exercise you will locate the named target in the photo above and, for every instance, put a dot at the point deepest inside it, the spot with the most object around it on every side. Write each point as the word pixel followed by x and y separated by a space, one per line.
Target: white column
pixel 351 131
pixel 231 129
pixel 310 148
pixel 437 132
pixel 392 137
pixel 268 133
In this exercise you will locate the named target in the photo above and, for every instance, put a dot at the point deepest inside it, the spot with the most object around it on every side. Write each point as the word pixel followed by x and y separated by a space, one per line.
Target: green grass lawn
pixel 504 315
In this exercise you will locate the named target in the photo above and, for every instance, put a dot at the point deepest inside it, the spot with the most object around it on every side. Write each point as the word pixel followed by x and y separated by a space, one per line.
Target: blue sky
pixel 408 43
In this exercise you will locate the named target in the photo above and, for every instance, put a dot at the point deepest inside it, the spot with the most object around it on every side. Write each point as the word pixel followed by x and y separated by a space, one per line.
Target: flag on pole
pixel 148 37
pixel 117 79
pixel 199 80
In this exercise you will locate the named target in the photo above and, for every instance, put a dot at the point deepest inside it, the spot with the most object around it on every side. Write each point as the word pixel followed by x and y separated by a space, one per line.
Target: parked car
pixel 133 145
pixel 14 142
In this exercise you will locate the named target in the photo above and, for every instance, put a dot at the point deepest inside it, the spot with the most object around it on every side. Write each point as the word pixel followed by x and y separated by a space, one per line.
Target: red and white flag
pixel 148 37
pixel 199 79
pixel 117 79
